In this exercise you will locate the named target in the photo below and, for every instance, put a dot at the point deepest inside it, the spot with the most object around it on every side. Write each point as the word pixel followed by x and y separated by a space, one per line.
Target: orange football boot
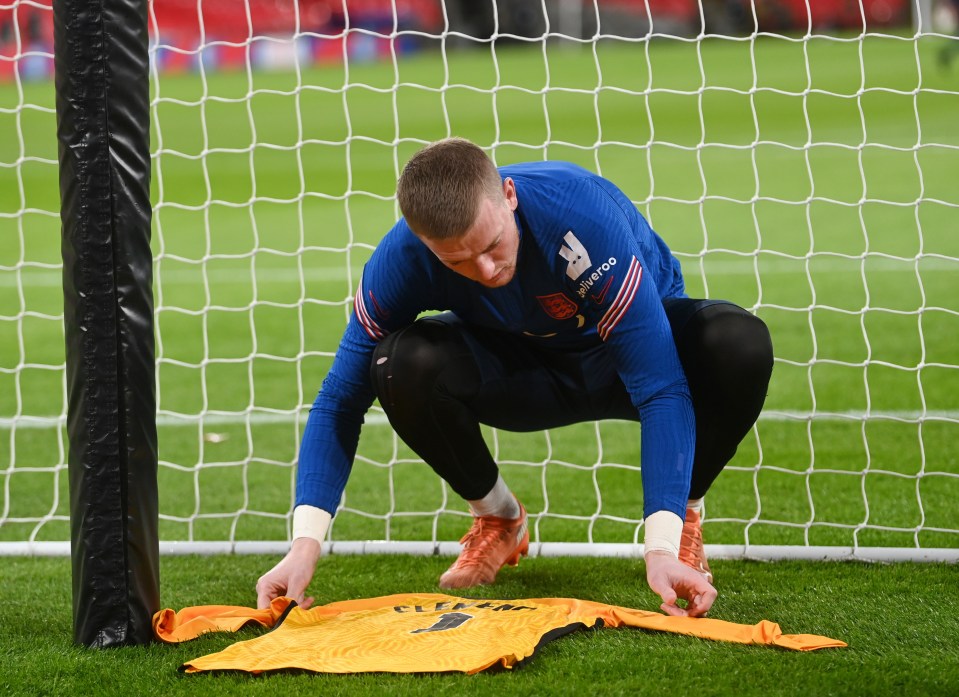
pixel 490 544
pixel 691 551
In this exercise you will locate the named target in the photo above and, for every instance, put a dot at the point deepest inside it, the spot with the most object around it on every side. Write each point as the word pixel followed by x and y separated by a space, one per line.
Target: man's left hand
pixel 671 580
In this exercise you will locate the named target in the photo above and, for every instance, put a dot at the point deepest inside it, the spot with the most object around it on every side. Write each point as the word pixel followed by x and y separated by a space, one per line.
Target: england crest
pixel 557 305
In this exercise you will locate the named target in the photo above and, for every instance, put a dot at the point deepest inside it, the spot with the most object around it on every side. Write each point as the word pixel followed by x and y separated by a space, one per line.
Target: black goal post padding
pixel 103 129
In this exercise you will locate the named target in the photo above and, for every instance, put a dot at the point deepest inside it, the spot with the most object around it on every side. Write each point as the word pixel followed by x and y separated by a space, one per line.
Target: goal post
pixel 802 166
pixel 103 132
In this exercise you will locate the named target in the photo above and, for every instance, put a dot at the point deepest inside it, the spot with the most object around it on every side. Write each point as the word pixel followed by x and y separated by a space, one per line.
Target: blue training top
pixel 590 270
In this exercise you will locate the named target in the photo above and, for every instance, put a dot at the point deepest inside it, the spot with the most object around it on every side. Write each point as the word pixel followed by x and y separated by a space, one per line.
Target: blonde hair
pixel 442 186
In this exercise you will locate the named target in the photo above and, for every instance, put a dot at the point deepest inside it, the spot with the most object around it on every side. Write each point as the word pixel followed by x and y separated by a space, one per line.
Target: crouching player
pixel 559 305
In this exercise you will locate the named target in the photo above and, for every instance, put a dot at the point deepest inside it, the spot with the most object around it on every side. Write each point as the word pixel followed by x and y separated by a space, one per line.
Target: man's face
pixel 487 251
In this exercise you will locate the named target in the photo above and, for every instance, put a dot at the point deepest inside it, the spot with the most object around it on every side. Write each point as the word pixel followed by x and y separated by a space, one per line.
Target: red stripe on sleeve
pixel 622 301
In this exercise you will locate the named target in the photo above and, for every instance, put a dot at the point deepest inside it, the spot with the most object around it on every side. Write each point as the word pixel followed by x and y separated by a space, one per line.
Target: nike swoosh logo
pixel 600 297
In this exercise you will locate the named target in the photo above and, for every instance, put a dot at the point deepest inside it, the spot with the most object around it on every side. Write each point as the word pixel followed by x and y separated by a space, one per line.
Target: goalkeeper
pixel 561 305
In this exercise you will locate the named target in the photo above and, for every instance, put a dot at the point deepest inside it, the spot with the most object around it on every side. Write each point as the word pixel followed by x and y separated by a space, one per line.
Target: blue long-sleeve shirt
pixel 590 269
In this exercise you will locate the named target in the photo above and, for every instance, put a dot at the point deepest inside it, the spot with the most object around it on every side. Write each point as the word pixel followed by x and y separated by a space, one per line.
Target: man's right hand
pixel 291 576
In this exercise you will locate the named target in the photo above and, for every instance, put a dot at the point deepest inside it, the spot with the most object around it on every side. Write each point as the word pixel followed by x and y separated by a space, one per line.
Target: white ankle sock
pixel 698 505
pixel 499 502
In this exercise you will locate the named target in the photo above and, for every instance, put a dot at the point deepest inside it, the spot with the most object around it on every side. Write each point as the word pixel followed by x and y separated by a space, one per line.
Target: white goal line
pixel 536 549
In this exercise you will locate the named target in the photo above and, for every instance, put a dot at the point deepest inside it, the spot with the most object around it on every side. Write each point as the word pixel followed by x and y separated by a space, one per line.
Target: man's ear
pixel 509 191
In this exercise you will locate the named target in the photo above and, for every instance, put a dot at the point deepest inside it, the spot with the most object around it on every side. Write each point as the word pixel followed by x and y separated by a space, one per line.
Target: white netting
pixel 32 393
pixel 808 176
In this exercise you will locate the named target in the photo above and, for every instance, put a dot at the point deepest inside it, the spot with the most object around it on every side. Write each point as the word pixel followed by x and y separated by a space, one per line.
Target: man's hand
pixel 291 576
pixel 671 579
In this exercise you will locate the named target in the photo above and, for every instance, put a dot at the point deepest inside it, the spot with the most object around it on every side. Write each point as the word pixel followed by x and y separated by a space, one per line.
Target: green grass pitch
pixel 813 182
pixel 899 622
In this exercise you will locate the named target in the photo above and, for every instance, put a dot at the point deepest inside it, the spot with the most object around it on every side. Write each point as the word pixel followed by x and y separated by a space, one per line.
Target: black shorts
pixel 529 387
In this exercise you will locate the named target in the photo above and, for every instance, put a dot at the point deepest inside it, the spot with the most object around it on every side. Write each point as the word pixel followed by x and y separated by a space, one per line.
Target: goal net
pixel 800 162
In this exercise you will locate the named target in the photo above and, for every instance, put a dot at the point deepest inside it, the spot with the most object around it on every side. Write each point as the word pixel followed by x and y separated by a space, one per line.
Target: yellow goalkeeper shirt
pixel 429 632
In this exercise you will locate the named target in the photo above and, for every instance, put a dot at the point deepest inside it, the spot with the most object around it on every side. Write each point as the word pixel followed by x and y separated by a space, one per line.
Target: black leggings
pixel 439 379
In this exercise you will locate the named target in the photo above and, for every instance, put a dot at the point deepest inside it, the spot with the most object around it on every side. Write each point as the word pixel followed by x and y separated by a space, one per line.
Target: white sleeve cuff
pixel 310 521
pixel 663 532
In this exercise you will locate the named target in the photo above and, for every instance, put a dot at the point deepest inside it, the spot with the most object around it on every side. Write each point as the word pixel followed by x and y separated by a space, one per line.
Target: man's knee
pixel 414 362
pixel 738 342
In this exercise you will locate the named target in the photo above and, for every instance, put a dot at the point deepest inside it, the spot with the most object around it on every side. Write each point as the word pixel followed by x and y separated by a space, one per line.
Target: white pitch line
pixel 375 419
pixel 52 278
pixel 48 278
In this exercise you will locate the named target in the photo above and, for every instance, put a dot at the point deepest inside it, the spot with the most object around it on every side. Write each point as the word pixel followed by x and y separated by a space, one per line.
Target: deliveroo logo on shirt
pixel 576 255
pixel 579 264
